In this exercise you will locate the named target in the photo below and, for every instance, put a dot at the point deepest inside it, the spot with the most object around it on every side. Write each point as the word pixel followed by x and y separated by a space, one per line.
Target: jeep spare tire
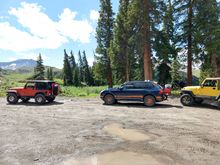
pixel 40 99
pixel 187 100
pixel 12 98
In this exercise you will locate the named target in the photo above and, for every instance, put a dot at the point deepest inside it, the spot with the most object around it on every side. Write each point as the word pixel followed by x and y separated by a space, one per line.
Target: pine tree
pixel 72 61
pixel 39 69
pixel 165 44
pixel 80 67
pixel 120 51
pixel 144 17
pixel 104 35
pixel 208 35
pixel 186 11
pixel 67 71
pixel 175 71
pixel 50 73
pixel 86 70
pixel 76 81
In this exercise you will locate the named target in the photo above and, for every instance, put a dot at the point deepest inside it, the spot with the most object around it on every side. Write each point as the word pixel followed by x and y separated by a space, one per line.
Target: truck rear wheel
pixel 187 100
pixel 12 98
pixel 40 99
pixel 51 99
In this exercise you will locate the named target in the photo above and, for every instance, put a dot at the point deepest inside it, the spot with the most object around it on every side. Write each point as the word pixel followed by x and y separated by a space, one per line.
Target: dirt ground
pixel 84 131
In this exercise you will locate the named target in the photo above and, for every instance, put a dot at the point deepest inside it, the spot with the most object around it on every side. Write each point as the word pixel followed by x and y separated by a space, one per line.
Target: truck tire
pixel 149 101
pixel 12 98
pixel 51 99
pixel 109 99
pixel 187 100
pixel 40 99
pixel 219 104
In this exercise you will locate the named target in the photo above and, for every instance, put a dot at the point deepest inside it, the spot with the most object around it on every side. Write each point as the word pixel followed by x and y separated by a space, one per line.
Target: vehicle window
pixel 41 86
pixel 143 85
pixel 30 85
pixel 129 85
pixel 210 83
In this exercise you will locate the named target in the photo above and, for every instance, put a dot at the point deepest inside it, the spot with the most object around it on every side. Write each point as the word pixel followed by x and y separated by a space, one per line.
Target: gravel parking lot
pixel 84 131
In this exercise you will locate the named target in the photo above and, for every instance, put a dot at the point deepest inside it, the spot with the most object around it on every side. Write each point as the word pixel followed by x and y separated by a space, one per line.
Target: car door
pixel 29 89
pixel 129 91
pixel 209 88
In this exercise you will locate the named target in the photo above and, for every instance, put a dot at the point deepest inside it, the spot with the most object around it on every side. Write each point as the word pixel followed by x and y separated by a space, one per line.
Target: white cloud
pixel 94 15
pixel 74 29
pixel 90 61
pixel 41 32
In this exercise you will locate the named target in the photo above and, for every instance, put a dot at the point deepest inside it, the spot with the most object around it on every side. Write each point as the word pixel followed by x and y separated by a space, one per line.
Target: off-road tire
pixel 109 99
pixel 218 103
pixel 187 100
pixel 25 100
pixel 40 99
pixel 51 99
pixel 12 98
pixel 149 101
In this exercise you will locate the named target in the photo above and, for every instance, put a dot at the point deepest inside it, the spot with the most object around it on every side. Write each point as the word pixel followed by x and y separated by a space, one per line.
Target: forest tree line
pixel 149 40
pixel 154 39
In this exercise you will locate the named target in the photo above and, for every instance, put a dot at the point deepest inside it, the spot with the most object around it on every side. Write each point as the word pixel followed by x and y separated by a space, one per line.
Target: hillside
pixel 18 64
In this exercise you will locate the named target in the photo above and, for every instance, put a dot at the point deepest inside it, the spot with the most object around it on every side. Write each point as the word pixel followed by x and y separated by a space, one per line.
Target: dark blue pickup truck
pixel 147 92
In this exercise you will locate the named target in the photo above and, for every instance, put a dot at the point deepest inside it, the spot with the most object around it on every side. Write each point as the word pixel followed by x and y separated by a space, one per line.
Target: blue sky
pixel 30 27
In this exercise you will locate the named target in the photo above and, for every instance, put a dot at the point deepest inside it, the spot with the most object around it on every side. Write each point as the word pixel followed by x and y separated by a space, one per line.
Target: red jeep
pixel 40 90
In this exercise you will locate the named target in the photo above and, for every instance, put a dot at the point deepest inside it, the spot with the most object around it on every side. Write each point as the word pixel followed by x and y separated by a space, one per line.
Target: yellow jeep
pixel 209 89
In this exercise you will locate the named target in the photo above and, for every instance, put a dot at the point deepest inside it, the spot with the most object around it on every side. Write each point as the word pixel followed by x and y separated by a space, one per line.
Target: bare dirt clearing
pixel 84 131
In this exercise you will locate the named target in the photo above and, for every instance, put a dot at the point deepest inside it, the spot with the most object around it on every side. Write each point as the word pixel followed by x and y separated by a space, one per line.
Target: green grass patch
pixel 72 91
pixel 175 92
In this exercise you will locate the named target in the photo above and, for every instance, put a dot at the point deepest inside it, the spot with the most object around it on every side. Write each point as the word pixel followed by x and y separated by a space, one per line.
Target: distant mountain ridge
pixel 17 64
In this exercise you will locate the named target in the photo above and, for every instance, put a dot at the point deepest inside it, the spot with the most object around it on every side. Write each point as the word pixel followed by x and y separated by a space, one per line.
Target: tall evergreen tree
pixel 50 73
pixel 144 17
pixel 39 69
pixel 208 35
pixel 121 55
pixel 86 70
pixel 104 35
pixel 76 81
pixel 186 11
pixel 67 71
pixel 72 61
pixel 80 67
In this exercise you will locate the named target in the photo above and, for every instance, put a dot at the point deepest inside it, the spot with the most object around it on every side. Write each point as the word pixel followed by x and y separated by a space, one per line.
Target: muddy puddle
pixel 127 134
pixel 121 158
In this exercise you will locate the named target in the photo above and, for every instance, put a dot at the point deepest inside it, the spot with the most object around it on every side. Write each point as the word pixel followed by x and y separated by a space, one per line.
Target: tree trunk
pixel 127 66
pixel 147 51
pixel 189 53
pixel 214 64
pixel 109 76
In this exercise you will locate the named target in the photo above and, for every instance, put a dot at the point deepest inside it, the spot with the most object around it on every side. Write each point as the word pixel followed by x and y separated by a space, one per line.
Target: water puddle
pixel 127 134
pixel 120 158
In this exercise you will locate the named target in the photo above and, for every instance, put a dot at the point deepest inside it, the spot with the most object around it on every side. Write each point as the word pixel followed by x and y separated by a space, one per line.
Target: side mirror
pixel 121 87
pixel 202 85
